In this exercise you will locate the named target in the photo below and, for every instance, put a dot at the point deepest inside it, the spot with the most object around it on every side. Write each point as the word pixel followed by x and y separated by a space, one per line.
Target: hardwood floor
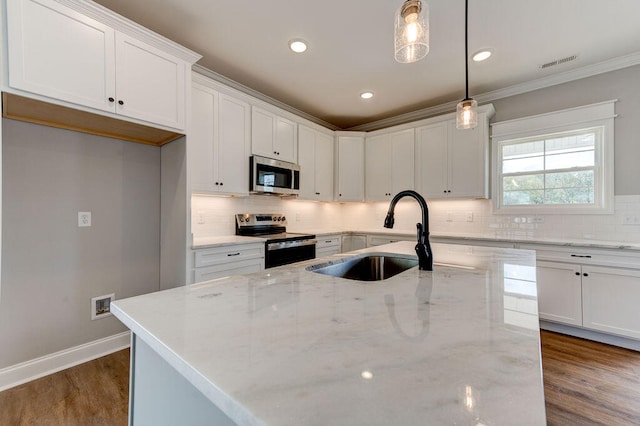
pixel 589 383
pixel 94 393
pixel 586 383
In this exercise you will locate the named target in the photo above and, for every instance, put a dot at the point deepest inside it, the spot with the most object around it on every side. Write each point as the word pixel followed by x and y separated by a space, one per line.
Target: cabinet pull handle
pixel 581 255
pixel 233 254
pixel 111 99
pixel 120 102
pixel 317 193
pixel 328 241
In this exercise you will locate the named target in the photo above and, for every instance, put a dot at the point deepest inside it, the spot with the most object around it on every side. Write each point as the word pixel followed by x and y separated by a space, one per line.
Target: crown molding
pixel 517 89
pixel 260 96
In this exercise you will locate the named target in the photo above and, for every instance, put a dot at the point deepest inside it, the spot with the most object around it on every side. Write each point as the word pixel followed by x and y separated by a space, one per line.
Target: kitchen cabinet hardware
pixel 586 274
pixel 111 99
pixel 233 254
pixel 317 193
pixel 581 255
pixel 120 102
pixel 577 273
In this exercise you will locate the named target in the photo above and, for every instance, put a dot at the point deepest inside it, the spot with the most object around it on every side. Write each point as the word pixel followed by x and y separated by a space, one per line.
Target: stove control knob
pixel 283 218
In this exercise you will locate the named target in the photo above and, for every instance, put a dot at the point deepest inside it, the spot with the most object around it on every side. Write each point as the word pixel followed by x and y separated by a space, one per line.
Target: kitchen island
pixel 288 346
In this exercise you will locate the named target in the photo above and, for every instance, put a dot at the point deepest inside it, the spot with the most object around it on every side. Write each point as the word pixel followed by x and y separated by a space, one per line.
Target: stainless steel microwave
pixel 274 176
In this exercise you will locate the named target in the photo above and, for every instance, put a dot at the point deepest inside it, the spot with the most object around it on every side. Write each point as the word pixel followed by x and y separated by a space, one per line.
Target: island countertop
pixel 287 346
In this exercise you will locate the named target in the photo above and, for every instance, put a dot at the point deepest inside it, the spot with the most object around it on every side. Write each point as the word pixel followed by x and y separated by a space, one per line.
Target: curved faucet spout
pixel 423 248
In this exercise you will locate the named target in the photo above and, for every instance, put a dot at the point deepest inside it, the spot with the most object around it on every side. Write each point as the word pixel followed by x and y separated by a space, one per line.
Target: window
pixel 556 162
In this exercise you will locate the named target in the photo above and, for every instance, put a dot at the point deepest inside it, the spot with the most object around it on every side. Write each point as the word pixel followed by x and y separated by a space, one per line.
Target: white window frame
pixel 589 116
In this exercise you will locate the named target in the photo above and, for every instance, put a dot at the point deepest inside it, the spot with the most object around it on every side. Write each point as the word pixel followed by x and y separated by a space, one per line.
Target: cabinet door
pixel 401 147
pixel 150 83
pixel 377 168
pixel 559 292
pixel 262 133
pixel 307 162
pixel 610 300
pixel 324 167
pixel 286 140
pixel 57 52
pixel 431 161
pixel 350 168
pixel 201 138
pixel 468 161
pixel 232 159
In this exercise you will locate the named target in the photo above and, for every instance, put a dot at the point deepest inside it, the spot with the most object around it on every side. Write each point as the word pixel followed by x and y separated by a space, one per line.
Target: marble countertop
pixel 286 346
pixel 207 242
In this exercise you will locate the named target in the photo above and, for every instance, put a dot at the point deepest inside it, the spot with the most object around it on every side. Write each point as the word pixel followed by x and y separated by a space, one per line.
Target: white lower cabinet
pixel 218 262
pixel 610 300
pixel 590 289
pixel 560 292
pixel 329 245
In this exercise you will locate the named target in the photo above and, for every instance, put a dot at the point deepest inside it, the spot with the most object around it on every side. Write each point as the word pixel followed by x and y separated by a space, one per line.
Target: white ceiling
pixel 351 47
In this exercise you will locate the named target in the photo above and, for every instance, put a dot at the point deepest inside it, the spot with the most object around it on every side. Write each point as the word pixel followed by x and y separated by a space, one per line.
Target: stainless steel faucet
pixel 423 248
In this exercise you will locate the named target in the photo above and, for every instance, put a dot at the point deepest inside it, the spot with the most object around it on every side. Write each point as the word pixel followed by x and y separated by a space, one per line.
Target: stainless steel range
pixel 281 247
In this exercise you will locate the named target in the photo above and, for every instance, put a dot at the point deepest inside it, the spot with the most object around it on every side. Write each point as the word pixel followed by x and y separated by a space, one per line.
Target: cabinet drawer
pixel 585 256
pixel 232 268
pixel 225 254
pixel 329 241
pixel 378 240
pixel 327 251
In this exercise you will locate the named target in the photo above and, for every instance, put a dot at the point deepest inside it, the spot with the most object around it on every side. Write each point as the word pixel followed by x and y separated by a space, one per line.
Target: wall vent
pixel 559 62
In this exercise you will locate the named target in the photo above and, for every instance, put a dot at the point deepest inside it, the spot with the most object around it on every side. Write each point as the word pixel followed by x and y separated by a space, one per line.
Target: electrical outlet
pixel 469 216
pixel 101 306
pixel 200 217
pixel 84 219
pixel 630 219
pixel 449 216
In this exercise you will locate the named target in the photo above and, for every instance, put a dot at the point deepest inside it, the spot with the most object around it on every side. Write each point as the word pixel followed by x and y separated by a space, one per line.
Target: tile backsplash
pixel 214 216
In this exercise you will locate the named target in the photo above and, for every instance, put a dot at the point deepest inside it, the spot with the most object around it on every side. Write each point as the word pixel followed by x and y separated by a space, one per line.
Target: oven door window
pixel 274 177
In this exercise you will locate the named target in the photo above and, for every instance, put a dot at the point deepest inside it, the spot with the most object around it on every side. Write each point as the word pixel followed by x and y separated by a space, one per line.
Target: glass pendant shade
pixel 467 114
pixel 411 31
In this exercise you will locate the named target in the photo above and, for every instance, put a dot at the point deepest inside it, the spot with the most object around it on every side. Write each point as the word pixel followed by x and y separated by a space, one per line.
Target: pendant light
pixel 411 31
pixel 467 109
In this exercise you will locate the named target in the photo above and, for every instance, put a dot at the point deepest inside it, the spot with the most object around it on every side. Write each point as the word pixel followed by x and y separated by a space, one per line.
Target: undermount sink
pixel 368 268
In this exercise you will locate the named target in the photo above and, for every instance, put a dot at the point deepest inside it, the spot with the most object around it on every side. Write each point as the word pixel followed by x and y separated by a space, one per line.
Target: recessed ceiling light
pixel 366 95
pixel 482 55
pixel 298 45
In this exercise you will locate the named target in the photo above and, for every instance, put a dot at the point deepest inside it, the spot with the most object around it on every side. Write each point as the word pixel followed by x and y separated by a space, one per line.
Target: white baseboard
pixel 30 370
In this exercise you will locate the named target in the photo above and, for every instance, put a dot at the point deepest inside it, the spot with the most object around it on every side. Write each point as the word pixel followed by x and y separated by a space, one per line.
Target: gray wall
pixel 623 85
pixel 50 267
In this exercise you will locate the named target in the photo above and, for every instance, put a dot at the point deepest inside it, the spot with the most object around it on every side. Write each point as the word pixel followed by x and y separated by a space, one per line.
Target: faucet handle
pixel 419 226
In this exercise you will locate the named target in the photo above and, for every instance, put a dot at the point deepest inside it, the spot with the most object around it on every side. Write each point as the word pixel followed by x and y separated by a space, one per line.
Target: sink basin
pixel 368 268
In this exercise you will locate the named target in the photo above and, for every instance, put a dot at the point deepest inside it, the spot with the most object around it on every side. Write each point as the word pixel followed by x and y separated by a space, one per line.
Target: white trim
pixel 595 115
pixel 34 369
pixel 517 89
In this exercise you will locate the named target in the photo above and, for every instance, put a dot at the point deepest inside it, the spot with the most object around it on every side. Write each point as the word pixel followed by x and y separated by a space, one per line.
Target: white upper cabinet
pixel 350 168
pixel 452 163
pixel 273 136
pixel 389 164
pixel 315 157
pixel 219 138
pixel 59 52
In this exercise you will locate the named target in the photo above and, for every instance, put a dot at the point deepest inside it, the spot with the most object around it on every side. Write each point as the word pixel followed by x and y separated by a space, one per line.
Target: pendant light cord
pixel 466 48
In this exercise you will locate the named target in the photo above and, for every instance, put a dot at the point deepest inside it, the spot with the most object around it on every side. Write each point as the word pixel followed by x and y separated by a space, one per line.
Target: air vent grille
pixel 559 61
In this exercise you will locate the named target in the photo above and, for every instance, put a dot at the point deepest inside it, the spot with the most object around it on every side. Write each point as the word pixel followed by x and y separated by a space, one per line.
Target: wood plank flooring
pixel 93 393
pixel 589 383
pixel 586 383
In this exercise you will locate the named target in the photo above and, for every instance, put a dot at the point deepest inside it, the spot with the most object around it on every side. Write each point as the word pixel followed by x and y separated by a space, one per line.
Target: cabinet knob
pixel 577 273
pixel 445 191
pixel 221 183
pixel 120 102
pixel 448 190
pixel 217 183
pixel 585 274
pixel 339 195
pixel 111 99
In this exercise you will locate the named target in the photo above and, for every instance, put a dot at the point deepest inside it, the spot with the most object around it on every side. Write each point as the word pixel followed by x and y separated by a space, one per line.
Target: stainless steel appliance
pixel 273 176
pixel 281 247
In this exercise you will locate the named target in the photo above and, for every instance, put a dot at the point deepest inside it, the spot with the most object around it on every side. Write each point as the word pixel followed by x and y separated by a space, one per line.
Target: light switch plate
pixel 84 219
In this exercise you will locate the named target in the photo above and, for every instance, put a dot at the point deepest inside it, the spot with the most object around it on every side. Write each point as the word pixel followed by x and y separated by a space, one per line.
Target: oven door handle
pixel 290 244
